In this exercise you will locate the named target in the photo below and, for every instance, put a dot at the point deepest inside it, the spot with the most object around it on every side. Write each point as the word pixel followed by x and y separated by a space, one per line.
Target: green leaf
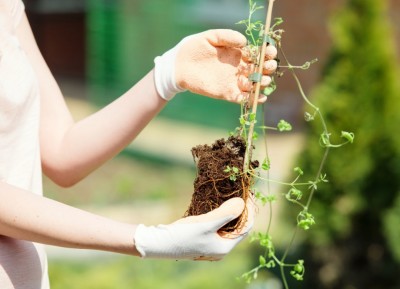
pixel 252 116
pixel 299 171
pixel 313 185
pixel 305 220
pixel 247 277
pixel 255 274
pixel 241 22
pixel 308 116
pixel 296 193
pixel 298 270
pixel 278 21
pixel 255 135
pixel 322 178
pixel 349 136
pixel 266 165
pixel 260 196
pixel 270 198
pixel 284 126
pixel 269 89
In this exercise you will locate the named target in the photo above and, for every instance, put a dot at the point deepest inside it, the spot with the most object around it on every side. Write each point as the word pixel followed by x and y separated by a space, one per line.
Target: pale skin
pixel 70 151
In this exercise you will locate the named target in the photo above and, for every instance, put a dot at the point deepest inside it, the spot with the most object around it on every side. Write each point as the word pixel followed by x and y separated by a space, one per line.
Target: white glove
pixel 164 72
pixel 213 63
pixel 194 237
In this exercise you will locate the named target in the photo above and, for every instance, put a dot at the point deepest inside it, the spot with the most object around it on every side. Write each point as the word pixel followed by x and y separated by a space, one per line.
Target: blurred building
pixel 60 31
pixel 112 44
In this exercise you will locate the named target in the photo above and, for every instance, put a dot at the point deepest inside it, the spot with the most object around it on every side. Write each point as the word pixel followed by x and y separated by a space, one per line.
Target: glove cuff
pixel 140 239
pixel 164 74
pixel 154 241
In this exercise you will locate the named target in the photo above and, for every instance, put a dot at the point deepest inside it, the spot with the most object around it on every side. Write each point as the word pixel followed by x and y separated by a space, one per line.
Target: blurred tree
pixel 355 242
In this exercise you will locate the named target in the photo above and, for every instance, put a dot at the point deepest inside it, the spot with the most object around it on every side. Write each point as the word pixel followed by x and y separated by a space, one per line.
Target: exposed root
pixel 215 183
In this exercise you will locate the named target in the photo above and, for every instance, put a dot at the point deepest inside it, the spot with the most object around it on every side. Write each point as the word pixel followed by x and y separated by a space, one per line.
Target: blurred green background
pixel 99 48
pixel 124 37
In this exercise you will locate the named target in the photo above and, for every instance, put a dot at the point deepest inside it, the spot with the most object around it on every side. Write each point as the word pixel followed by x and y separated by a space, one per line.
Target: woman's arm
pixel 30 217
pixel 70 150
pixel 27 216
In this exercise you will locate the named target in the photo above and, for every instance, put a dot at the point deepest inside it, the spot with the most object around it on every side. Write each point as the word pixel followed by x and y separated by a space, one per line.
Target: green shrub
pixel 353 243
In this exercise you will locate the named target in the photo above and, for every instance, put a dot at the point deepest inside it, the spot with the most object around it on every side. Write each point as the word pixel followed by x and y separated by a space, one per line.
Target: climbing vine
pixel 299 192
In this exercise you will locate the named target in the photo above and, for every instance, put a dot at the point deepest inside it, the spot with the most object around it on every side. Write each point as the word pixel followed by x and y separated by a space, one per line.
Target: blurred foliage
pixel 128 179
pixel 391 222
pixel 125 36
pixel 355 241
pixel 122 272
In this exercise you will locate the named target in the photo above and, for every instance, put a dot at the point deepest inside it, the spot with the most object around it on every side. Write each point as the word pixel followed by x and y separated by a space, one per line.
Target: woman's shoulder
pixel 13 9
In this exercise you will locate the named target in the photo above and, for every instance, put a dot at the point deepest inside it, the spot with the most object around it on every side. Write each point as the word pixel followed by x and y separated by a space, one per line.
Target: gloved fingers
pixel 225 37
pixel 246 68
pixel 246 85
pixel 271 52
pixel 262 98
pixel 269 67
pixel 265 81
pixel 225 213
pixel 248 53
pixel 234 206
pixel 245 96
pixel 249 222
pixel 241 97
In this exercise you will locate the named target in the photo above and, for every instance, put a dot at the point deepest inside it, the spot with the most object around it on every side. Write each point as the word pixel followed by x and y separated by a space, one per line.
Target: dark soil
pixel 213 184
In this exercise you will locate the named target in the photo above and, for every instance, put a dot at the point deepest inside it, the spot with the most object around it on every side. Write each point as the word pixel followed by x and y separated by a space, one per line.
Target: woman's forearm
pixel 27 216
pixel 90 142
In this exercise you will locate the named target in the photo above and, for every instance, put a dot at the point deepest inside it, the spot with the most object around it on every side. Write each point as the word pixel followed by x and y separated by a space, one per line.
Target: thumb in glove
pixel 194 237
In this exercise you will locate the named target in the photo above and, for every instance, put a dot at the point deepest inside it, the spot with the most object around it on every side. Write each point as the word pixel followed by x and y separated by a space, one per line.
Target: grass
pixel 124 272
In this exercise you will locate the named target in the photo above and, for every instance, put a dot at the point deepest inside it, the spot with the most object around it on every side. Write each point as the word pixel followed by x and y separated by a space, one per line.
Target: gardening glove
pixel 213 63
pixel 194 237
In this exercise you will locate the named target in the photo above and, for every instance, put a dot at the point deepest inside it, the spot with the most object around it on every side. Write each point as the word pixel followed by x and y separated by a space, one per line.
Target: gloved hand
pixel 195 237
pixel 213 63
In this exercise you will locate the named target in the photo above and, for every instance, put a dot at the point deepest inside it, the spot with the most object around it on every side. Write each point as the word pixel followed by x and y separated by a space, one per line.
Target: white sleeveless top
pixel 23 264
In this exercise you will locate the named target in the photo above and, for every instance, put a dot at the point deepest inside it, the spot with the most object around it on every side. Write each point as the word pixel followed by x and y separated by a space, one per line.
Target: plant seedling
pixel 226 169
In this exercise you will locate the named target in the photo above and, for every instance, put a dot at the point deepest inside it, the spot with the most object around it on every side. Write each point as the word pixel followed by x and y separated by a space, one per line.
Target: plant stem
pixel 321 166
pixel 284 257
pixel 257 86
pixel 325 129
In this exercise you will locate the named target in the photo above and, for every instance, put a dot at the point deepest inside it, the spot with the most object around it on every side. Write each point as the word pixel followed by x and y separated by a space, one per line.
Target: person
pixel 38 134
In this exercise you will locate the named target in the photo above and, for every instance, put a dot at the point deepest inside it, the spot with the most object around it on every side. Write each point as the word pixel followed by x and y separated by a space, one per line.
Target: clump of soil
pixel 220 176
